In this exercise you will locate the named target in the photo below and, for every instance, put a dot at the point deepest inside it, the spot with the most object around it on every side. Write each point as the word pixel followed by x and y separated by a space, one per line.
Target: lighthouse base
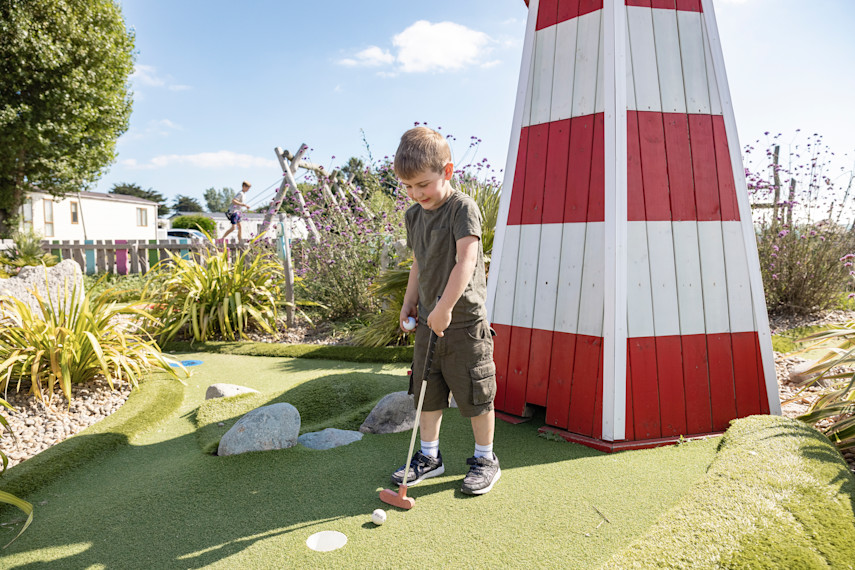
pixel 612 446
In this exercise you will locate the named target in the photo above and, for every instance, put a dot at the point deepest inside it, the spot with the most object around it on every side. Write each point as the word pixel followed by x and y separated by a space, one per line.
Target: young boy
pixel 233 213
pixel 444 231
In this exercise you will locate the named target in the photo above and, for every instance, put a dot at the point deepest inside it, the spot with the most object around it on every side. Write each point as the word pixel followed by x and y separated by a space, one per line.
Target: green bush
pixel 201 223
pixel 75 340
pixel 27 251
pixel 804 267
pixel 215 295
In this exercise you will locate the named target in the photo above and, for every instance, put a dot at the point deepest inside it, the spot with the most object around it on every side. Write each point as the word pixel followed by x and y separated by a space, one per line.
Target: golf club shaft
pixel 428 362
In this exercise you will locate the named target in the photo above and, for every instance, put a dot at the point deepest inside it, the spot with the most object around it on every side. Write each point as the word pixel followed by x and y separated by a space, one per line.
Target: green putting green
pixel 158 501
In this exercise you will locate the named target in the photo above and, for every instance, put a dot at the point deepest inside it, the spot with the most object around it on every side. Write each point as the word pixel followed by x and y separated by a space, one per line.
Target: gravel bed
pixel 36 426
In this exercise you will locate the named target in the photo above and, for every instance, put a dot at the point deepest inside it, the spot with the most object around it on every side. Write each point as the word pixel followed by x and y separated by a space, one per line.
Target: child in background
pixel 233 213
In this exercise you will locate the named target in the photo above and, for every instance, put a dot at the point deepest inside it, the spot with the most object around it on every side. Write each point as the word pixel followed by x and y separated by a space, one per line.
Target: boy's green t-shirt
pixel 433 235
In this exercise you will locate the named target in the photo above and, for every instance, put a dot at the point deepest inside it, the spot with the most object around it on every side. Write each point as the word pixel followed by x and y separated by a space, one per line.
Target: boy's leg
pixel 483 428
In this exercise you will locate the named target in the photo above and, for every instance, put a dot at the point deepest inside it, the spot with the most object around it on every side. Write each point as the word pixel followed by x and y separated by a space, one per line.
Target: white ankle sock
pixel 430 448
pixel 484 451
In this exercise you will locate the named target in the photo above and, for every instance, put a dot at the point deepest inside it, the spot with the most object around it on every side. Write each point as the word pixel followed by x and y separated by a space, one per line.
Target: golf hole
pixel 326 540
pixel 186 363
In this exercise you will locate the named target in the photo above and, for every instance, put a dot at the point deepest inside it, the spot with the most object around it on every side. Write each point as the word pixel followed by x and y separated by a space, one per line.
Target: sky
pixel 219 84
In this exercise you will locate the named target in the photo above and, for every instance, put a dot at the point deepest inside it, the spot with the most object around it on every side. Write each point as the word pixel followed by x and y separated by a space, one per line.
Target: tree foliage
pixel 64 96
pixel 186 204
pixel 130 189
pixel 219 200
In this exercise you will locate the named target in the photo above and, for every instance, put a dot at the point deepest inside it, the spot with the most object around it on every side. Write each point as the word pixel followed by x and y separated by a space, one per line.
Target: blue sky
pixel 219 84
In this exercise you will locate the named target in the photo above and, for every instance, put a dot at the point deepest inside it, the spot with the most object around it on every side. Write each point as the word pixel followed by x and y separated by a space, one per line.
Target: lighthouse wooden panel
pixel 625 232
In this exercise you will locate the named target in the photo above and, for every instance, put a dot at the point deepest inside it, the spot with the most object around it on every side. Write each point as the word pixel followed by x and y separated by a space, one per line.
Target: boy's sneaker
pixel 483 474
pixel 421 467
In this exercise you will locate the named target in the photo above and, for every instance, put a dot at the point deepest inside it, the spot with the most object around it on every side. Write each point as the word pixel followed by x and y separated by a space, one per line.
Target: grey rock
pixel 394 413
pixel 222 390
pixel 328 438
pixel 28 279
pixel 269 427
pixel 799 372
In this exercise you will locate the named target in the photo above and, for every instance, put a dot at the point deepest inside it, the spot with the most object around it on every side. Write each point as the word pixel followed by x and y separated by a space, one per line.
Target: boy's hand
pixel 439 319
pixel 408 311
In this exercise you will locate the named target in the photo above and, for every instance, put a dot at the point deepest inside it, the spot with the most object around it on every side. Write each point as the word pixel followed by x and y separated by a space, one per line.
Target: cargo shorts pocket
pixel 483 383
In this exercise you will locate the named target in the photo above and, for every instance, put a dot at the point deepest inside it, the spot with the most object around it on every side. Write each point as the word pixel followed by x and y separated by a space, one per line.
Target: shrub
pixel 800 216
pixel 804 267
pixel 201 223
pixel 74 340
pixel 215 295
pixel 27 250
pixel 384 328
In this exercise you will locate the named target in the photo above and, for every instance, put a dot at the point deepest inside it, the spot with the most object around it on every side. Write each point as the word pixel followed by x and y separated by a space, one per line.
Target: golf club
pixel 400 499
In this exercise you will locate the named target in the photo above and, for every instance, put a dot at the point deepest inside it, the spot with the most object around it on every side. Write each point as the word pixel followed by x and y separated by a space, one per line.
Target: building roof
pixel 103 196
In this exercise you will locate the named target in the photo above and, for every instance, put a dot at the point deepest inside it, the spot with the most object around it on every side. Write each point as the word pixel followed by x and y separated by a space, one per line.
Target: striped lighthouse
pixel 624 286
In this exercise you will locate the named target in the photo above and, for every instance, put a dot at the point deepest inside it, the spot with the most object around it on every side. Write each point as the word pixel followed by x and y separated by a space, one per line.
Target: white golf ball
pixel 378 516
pixel 409 324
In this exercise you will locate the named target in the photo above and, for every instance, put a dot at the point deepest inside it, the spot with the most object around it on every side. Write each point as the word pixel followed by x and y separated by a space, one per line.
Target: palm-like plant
pixel 27 250
pixel 215 295
pixel 74 339
pixel 384 329
pixel 834 410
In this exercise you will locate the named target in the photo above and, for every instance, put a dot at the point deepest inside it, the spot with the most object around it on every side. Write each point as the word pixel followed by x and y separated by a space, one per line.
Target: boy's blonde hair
pixel 421 149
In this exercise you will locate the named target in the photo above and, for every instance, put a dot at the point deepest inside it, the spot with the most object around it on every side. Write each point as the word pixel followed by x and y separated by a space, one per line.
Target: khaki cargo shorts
pixel 462 366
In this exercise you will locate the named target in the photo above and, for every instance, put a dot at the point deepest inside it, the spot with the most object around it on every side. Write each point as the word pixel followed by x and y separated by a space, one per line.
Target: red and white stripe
pixel 625 225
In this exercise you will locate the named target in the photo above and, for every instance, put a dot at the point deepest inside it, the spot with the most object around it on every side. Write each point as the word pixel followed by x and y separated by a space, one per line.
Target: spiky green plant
pixel 487 194
pixel 74 339
pixel 9 498
pixel 834 411
pixel 384 329
pixel 214 295
pixel 27 250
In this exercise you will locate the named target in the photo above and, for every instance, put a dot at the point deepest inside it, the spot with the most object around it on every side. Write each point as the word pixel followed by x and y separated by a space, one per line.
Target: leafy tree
pixel 201 223
pixel 136 190
pixel 186 204
pixel 64 97
pixel 219 200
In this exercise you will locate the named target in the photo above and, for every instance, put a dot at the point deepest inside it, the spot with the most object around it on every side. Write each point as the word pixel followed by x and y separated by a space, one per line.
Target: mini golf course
pixel 138 490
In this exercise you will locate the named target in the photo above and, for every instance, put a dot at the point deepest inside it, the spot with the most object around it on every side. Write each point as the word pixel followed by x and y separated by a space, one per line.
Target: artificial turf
pixel 160 502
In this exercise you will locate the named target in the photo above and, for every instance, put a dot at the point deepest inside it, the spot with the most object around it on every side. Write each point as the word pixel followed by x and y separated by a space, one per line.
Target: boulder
pixel 226 390
pixel 269 427
pixel 394 413
pixel 799 373
pixel 328 438
pixel 33 278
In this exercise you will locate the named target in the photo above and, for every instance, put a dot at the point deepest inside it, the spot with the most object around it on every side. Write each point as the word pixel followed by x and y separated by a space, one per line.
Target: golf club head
pixel 399 499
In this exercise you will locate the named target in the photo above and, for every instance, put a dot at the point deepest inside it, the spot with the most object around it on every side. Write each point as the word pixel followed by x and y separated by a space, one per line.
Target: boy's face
pixel 244 188
pixel 430 189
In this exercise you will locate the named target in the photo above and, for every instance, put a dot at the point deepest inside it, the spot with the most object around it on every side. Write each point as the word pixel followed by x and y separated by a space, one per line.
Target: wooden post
pixel 776 185
pixel 285 252
pixel 288 171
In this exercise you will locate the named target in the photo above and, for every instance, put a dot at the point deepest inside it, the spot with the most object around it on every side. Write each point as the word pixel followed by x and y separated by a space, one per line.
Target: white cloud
pixel 219 159
pixel 428 47
pixel 369 57
pixel 445 46
pixel 147 75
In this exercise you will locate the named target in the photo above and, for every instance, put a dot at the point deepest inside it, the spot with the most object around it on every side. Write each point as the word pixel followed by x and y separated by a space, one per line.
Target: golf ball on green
pixel 409 324
pixel 378 516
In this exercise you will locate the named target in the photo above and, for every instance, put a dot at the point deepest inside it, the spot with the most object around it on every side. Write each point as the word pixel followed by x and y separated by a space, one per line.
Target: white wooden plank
pixel 506 275
pixel 592 293
pixel 663 278
pixel 695 76
pixel 585 73
pixel 713 277
pixel 630 83
pixel 526 118
pixel 523 87
pixel 715 98
pixel 669 63
pixel 565 67
pixel 570 278
pixel 600 99
pixel 761 317
pixel 644 67
pixel 548 267
pixel 639 299
pixel 544 66
pixel 738 281
pixel 690 294
pixel 526 279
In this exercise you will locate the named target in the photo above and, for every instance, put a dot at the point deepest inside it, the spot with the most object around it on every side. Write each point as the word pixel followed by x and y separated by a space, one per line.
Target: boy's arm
pixel 461 273
pixel 411 297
